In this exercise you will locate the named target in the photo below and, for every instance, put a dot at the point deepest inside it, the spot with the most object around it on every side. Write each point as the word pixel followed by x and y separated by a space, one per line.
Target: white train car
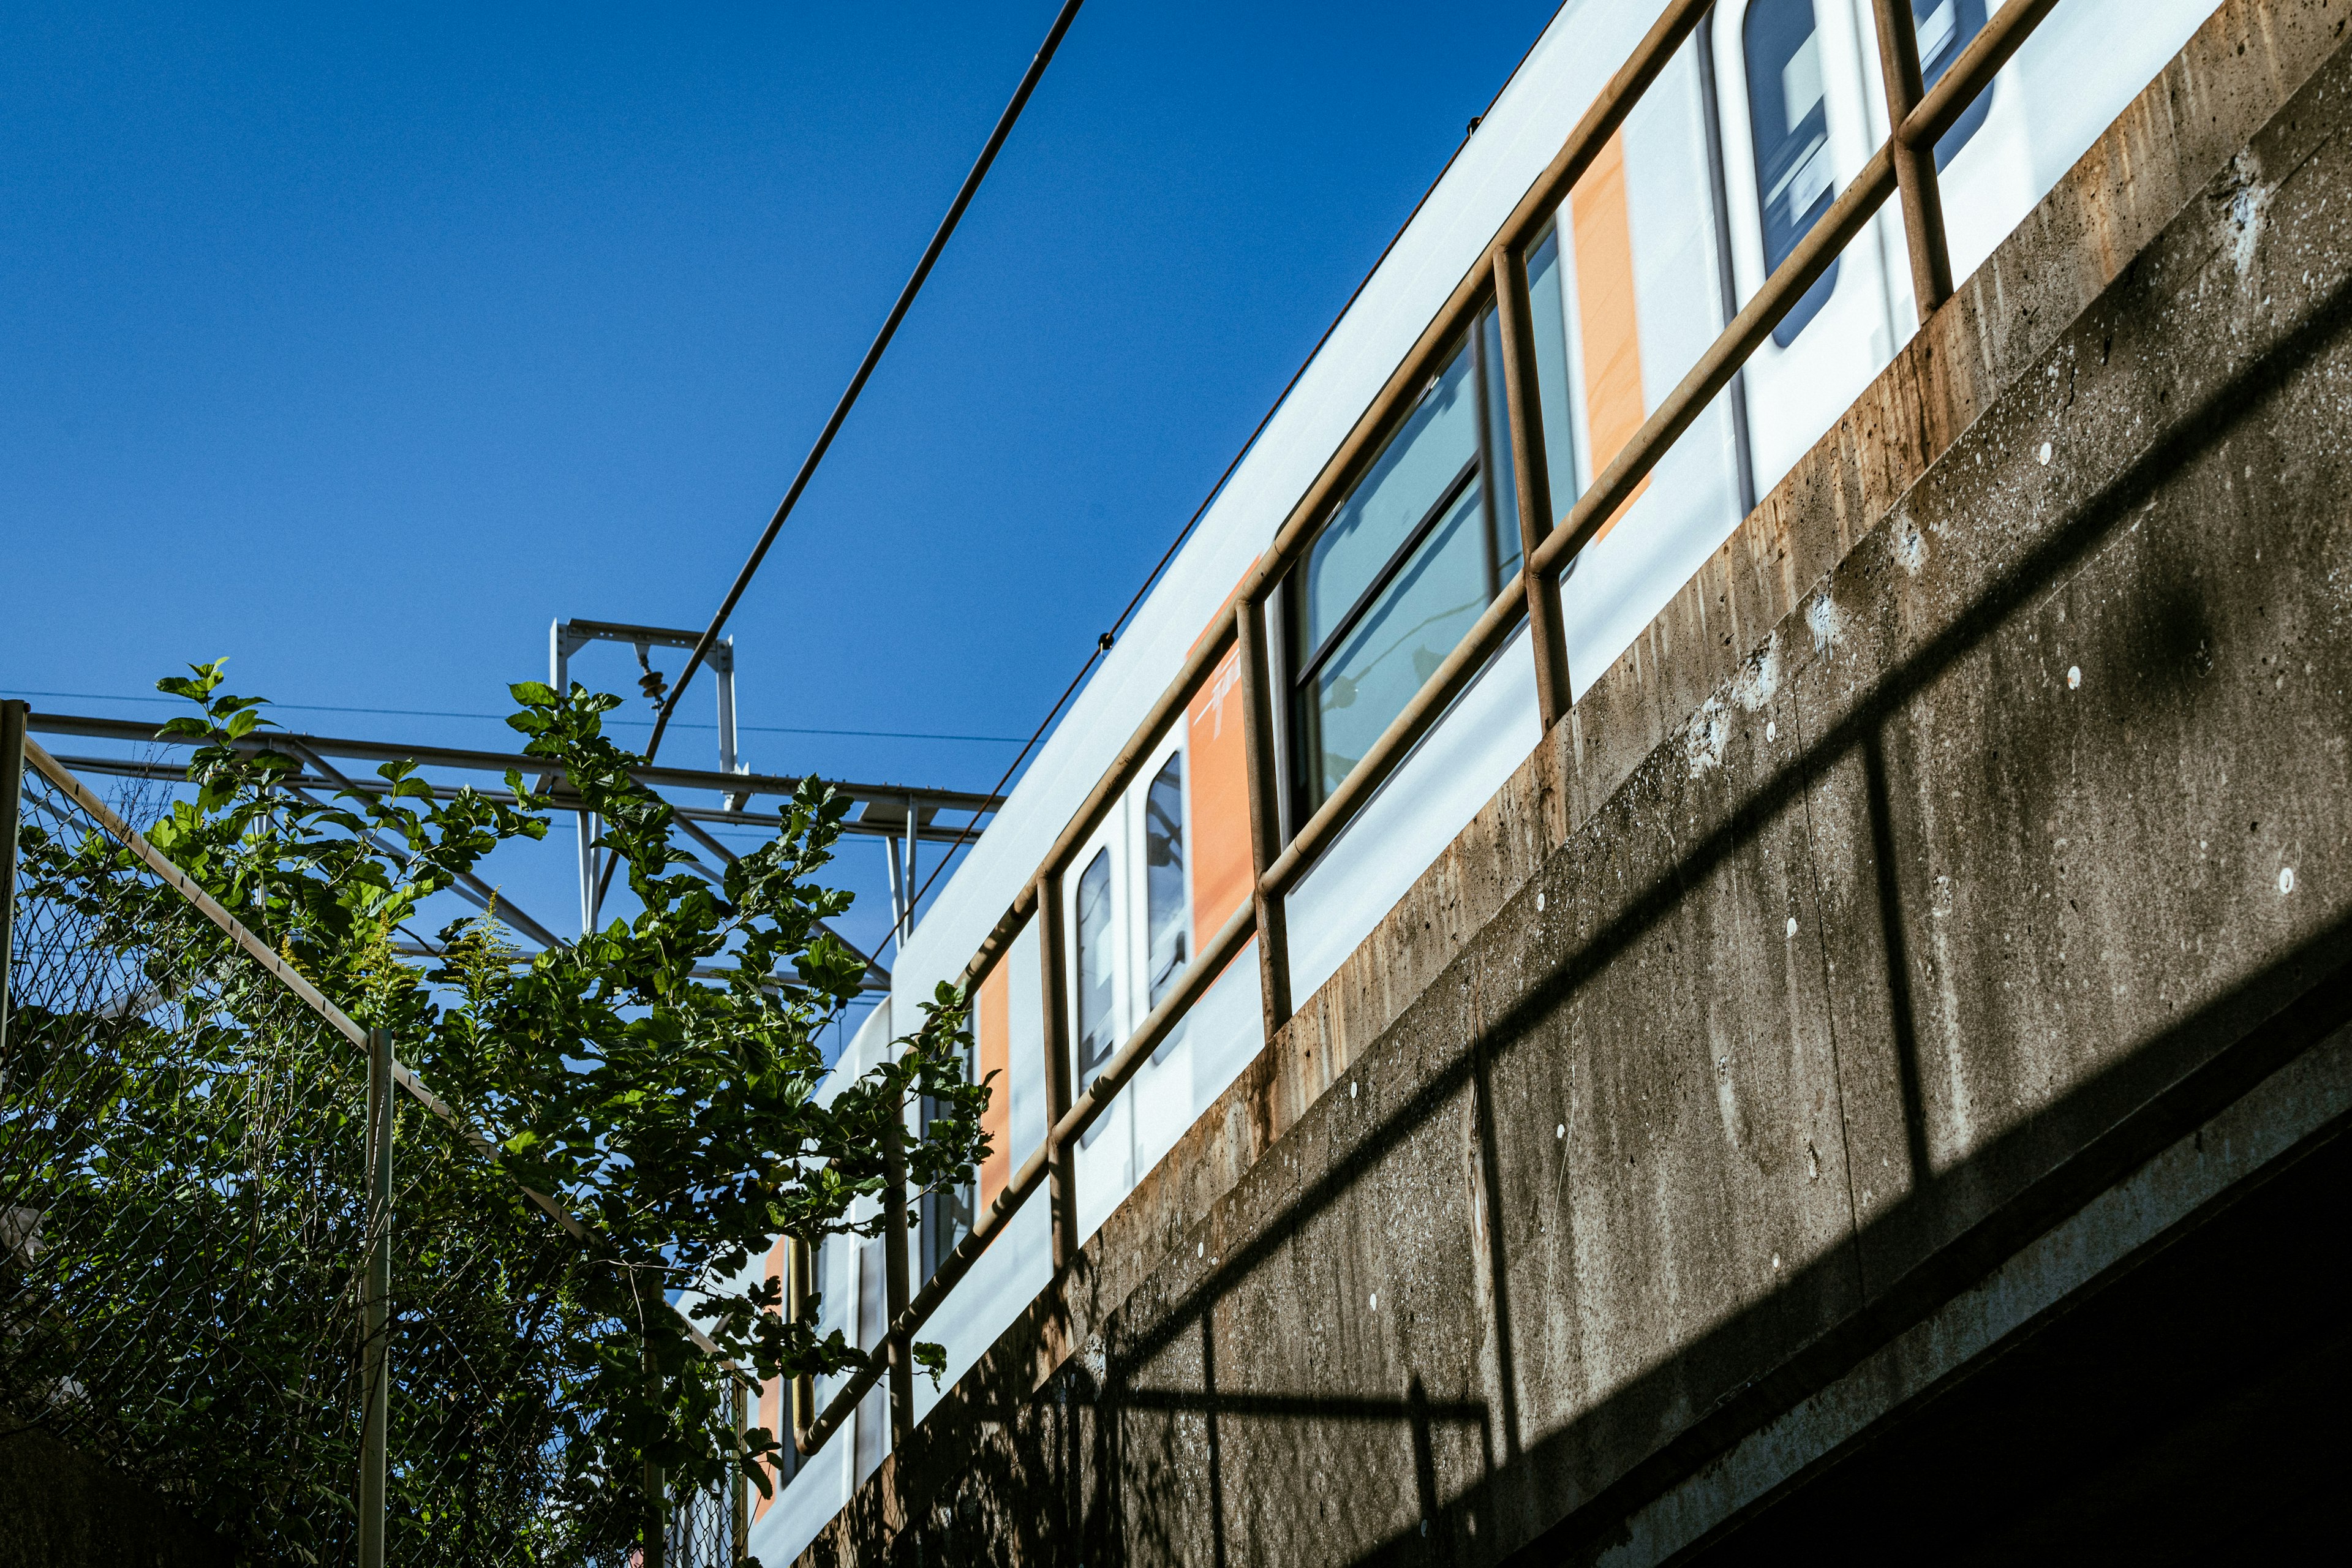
pixel 1765 114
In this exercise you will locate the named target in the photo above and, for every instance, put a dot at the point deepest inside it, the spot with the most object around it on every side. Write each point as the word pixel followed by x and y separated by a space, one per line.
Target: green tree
pixel 675 1115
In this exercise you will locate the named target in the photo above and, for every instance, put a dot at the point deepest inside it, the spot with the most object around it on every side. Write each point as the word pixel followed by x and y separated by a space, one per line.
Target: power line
pixel 1103 643
pixel 873 357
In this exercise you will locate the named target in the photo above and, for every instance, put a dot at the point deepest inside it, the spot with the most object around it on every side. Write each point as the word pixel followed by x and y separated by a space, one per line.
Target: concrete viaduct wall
pixel 1944 905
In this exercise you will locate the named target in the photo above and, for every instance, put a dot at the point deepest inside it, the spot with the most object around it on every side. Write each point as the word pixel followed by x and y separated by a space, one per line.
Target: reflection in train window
pixel 1547 311
pixel 1945 28
pixel 945 1217
pixel 1402 572
pixel 1788 113
pixel 1165 916
pixel 1098 1025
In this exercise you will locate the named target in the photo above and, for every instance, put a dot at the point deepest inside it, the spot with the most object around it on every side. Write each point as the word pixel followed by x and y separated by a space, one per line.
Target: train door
pixel 1096 896
pixel 1795 78
pixel 1159 945
pixel 1226 1027
pixel 1626 294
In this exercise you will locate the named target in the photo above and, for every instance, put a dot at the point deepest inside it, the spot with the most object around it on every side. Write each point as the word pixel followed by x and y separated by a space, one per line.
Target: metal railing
pixel 1904 164
pixel 213 1270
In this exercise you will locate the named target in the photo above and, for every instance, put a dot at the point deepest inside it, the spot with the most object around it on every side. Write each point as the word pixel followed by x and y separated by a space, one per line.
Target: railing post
pixel 802 1415
pixel 1531 479
pixel 1264 769
pixel 1915 167
pixel 14 715
pixel 375 1298
pixel 1061 1180
pixel 893 1270
pixel 739 1519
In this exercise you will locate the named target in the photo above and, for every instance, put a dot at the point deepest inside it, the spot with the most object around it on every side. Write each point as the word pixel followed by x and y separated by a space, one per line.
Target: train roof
pixel 1451 228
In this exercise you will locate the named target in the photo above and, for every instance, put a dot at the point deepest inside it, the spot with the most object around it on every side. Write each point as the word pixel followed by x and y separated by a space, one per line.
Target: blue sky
pixel 357 346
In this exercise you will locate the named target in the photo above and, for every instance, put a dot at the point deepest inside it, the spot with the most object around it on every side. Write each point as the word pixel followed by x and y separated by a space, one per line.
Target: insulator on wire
pixel 651 682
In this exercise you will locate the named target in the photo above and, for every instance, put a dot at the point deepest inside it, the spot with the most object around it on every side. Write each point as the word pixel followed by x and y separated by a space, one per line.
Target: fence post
pixel 893 1270
pixel 1061 1180
pixel 375 1304
pixel 1915 167
pixel 1263 769
pixel 13 716
pixel 656 1545
pixel 1531 477
pixel 739 1515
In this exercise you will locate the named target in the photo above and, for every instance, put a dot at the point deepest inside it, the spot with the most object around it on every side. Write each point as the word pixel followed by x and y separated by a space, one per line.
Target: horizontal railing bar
pixel 1715 370
pixel 999 939
pixel 1450 679
pixel 1122 772
pixel 2002 35
pixel 950 1273
pixel 1198 976
pixel 1599 122
pixel 501 763
pixel 1853 207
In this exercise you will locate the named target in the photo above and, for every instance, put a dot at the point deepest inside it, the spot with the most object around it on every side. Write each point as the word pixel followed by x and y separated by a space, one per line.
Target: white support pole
pixel 559 673
pixel 724 667
pixel 914 837
pixel 897 889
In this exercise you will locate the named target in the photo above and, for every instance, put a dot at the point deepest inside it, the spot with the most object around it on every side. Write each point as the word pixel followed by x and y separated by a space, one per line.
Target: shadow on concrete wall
pixel 1128 1453
pixel 1110 1505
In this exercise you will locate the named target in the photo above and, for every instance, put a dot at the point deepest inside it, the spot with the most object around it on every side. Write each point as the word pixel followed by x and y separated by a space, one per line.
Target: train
pixel 1765 112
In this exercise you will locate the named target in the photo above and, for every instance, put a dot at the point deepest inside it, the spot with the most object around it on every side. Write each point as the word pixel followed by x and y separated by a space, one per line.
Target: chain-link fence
pixel 181 1186
pixel 185 1221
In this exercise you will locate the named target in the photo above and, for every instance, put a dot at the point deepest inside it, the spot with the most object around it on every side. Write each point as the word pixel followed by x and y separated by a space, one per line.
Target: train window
pixel 1547 311
pixel 1502 501
pixel 1945 28
pixel 1098 1025
pixel 1166 917
pixel 1401 573
pixel 1788 114
pixel 945 1217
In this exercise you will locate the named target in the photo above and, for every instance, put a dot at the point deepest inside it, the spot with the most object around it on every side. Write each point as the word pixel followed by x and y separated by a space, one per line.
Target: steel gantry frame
pixel 900 815
pixel 565 638
pixel 1904 165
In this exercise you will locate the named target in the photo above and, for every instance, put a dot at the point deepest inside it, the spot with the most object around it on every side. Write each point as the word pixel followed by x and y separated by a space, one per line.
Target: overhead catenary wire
pixel 1004 123
pixel 1105 641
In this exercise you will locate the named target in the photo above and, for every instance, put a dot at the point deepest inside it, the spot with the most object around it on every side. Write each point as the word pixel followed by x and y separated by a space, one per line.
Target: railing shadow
pixel 1126 1453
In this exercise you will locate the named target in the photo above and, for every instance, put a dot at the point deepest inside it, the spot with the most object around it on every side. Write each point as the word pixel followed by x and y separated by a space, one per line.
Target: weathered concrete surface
pixel 1922 875
pixel 59 1507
